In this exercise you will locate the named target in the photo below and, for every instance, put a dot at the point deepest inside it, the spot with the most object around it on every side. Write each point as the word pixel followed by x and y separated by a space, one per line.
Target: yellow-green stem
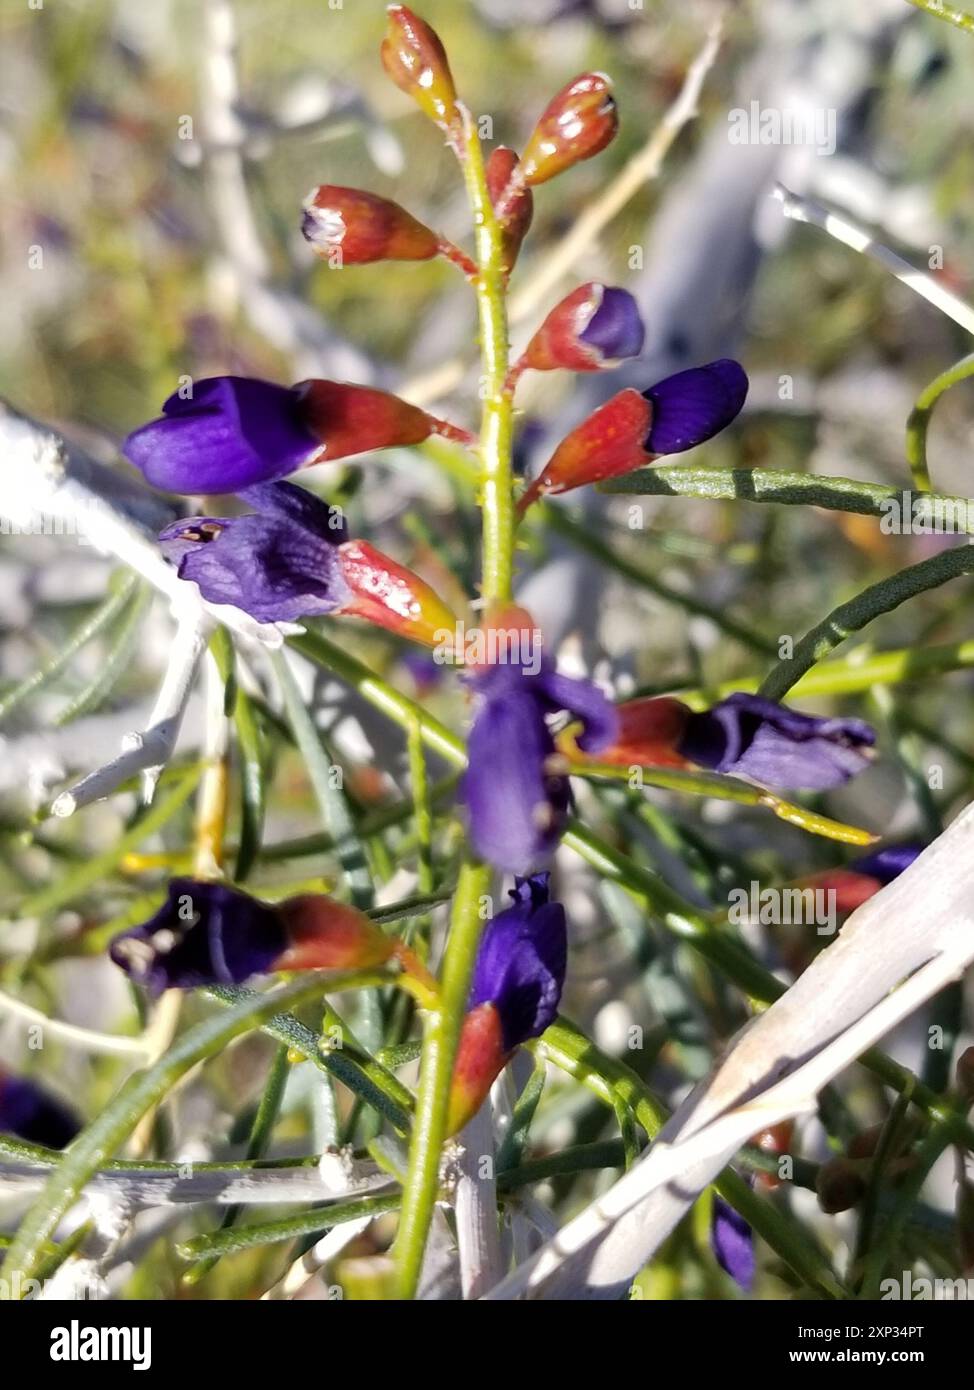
pixel 440 1036
pixel 496 425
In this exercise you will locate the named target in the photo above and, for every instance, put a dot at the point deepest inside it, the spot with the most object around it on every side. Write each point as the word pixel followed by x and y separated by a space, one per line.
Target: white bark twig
pixel 149 751
pixel 896 951
pixel 475 1207
pixel 842 228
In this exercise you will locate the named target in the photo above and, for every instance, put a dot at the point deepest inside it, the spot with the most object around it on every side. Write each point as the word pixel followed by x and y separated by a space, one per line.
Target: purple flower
pixel 233 431
pixel 887 863
pixel 516 795
pixel 694 405
pixel 521 962
pixel 733 1243
pixel 774 746
pixel 278 564
pixel 615 330
pixel 204 934
pixel 31 1114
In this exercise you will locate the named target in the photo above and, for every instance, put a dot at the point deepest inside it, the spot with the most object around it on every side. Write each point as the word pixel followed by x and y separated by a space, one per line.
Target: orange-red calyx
pixel 328 935
pixel 609 443
pixel 391 596
pixel 649 731
pixel 480 1060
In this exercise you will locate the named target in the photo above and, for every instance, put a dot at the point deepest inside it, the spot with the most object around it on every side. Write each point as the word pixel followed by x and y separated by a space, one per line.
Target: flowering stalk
pixel 442 1031
pixel 496 429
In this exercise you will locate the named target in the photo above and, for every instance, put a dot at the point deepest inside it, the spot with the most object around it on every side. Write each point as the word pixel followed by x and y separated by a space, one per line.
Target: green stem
pixel 853 616
pixel 919 421
pixel 932 510
pixel 440 1037
pixel 959 18
pixel 141 1092
pixel 496 428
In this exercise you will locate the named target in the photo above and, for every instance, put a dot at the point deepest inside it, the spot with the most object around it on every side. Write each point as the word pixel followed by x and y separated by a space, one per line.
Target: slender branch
pixel 959 18
pixel 919 420
pixel 851 617
pixel 843 229
pixel 149 751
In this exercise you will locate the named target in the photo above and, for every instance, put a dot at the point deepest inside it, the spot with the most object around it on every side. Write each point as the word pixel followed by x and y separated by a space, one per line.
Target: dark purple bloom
pixel 775 746
pixel 615 330
pixel 278 564
pixel 233 431
pixel 517 798
pixel 694 405
pixel 521 962
pixel 733 1243
pixel 204 934
pixel 31 1114
pixel 887 863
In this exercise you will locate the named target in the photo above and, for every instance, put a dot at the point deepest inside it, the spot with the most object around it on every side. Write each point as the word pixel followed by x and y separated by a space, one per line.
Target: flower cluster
pixel 289 557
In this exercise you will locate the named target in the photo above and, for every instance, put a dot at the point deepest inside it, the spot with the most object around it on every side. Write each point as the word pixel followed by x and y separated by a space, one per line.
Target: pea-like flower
pixel 516 790
pixel 30 1113
pixel 289 560
pixel 226 433
pixel 594 327
pixel 746 736
pixel 862 878
pixel 634 428
pixel 517 982
pixel 732 1241
pixel 210 934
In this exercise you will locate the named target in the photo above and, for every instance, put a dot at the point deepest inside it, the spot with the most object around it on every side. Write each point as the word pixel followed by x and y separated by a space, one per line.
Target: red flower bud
pixel 350 419
pixel 416 61
pixel 357 228
pixel 649 731
pixel 392 596
pixel 609 443
pixel 324 934
pixel 575 125
pixel 593 327
pixel 776 1140
pixel 480 1059
pixel 518 215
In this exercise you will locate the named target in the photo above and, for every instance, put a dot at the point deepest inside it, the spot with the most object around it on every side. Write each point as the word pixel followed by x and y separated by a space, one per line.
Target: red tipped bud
pixel 649 732
pixel 609 443
pixel 480 1060
pixel 392 596
pixel 416 61
pixel 593 327
pixel 575 125
pixel 351 227
pixel 354 419
pixel 520 208
pixel 327 935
